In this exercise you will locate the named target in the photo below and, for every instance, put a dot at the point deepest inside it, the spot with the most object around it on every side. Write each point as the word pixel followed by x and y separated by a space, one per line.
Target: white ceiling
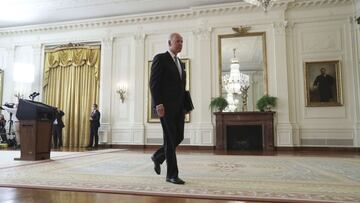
pixel 30 12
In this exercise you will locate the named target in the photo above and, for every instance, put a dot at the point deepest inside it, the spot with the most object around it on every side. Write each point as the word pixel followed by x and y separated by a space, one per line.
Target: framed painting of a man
pixel 1 84
pixel 323 85
pixel 152 117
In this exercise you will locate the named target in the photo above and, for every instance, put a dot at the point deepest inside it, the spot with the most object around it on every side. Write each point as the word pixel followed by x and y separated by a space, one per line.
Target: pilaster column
pixel 285 135
pixel 136 93
pixel 355 32
pixel 9 91
pixel 200 87
pixel 105 88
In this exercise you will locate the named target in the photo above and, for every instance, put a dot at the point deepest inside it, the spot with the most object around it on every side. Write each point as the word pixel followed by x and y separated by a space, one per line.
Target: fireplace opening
pixel 244 137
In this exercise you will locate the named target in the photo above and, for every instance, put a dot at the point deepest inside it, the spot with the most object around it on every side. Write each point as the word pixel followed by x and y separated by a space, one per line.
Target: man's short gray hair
pixel 172 35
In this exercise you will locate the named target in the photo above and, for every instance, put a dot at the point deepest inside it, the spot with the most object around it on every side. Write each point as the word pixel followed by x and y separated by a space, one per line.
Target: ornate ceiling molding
pixel 194 12
pixel 66 4
pixel 317 3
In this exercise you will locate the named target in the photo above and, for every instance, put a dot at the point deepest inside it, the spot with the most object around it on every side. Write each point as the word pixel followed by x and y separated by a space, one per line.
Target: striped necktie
pixel 178 65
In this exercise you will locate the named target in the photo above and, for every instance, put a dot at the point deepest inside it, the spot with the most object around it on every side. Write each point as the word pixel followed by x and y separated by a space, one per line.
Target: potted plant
pixel 218 103
pixel 266 102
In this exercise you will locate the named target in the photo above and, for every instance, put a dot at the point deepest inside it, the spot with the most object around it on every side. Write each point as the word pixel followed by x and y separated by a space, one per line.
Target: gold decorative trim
pixel 312 68
pixel 1 85
pixel 263 35
pixel 242 29
pixel 71 46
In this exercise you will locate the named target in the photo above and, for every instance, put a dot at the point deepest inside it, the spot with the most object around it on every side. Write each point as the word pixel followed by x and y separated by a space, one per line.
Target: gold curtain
pixel 71 83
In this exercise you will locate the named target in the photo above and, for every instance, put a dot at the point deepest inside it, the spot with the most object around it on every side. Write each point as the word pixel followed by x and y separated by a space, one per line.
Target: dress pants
pixel 94 134
pixel 173 134
pixel 57 136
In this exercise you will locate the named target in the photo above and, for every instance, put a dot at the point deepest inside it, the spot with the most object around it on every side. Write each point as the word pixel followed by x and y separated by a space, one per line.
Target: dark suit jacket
pixel 58 116
pixel 166 86
pixel 95 122
pixel 325 84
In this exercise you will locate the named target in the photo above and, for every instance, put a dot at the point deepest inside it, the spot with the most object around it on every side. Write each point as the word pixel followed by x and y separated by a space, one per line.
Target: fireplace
pixel 244 137
pixel 245 130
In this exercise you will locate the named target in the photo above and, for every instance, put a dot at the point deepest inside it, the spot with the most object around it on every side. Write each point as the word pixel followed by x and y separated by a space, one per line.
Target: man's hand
pixel 160 110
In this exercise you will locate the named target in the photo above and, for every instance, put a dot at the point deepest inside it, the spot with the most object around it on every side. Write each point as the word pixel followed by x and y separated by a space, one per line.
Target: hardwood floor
pixel 22 195
pixel 18 195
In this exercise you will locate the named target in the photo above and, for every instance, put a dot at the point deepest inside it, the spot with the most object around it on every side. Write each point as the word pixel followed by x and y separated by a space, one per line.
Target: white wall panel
pixel 324 40
pixel 319 40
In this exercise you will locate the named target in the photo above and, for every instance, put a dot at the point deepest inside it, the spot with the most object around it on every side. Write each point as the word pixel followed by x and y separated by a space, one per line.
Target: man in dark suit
pixel 94 126
pixel 167 86
pixel 324 83
pixel 58 125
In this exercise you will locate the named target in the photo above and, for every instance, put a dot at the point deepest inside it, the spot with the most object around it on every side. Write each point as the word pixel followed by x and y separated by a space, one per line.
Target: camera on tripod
pixel 9 105
pixel 33 95
pixel 10 135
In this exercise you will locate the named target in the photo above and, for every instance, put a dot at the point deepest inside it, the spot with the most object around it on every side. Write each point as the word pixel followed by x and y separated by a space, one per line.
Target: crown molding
pixel 183 14
pixel 317 3
pixel 194 12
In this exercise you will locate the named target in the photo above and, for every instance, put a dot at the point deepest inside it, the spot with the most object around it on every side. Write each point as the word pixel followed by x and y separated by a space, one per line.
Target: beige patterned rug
pixel 233 177
pixel 7 157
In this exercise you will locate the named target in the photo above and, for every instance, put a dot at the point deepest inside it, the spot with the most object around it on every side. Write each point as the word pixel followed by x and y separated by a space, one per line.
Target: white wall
pixel 295 33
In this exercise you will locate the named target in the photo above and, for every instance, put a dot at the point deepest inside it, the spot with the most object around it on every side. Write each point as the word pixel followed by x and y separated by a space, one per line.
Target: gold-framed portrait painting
pixel 323 86
pixel 152 117
pixel 1 85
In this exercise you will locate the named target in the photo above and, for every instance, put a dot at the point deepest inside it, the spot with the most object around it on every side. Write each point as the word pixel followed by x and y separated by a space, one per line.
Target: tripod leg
pixel 17 132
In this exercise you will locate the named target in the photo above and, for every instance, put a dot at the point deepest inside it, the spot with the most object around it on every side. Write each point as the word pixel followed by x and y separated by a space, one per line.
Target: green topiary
pixel 218 103
pixel 266 102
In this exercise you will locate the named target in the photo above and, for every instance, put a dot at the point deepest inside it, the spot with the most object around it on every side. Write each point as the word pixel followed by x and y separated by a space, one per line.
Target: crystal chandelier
pixel 235 83
pixel 265 4
pixel 232 80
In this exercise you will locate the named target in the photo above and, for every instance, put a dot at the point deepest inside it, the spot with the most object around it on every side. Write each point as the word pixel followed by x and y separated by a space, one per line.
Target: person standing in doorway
pixel 167 86
pixel 58 125
pixel 94 126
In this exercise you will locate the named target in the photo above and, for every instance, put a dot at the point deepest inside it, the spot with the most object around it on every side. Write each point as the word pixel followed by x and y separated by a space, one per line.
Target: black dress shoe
pixel 157 167
pixel 175 181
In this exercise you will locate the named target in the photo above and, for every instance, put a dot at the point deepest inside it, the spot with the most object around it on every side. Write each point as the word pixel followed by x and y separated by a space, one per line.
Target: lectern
pixel 36 121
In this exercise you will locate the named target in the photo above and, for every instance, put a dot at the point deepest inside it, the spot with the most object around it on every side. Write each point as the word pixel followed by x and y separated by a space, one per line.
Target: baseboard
pixel 181 147
pixel 193 147
pixel 317 149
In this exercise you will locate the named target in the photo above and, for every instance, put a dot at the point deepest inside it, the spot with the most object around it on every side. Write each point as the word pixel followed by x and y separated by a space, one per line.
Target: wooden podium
pixel 35 139
pixel 36 120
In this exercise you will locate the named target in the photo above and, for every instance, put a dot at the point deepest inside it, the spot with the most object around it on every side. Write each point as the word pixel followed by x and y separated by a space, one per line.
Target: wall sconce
pixel 122 91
